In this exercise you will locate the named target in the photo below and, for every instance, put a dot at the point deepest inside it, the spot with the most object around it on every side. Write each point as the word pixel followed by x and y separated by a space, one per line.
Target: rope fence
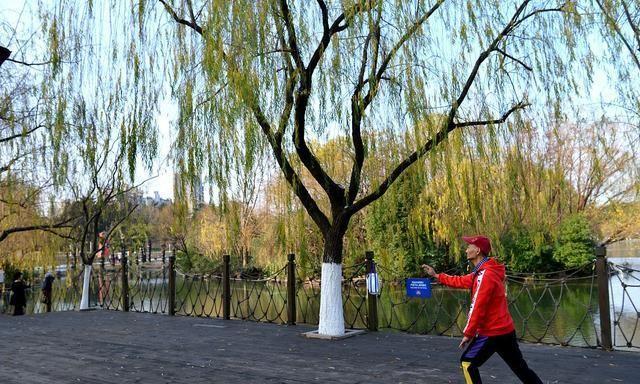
pixel 625 300
pixel 198 295
pixel 568 308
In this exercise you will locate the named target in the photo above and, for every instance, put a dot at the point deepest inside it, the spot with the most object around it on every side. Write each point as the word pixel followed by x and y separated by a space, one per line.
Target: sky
pixel 161 179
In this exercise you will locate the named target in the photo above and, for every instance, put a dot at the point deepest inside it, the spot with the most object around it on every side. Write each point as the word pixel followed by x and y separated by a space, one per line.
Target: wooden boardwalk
pixel 118 347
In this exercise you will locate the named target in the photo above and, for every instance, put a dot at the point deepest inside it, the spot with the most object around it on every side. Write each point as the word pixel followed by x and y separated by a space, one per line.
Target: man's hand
pixel 465 341
pixel 428 270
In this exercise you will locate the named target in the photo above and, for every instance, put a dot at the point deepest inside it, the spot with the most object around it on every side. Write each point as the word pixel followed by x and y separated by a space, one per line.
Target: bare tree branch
pixel 621 35
pixel 274 139
pixel 632 23
pixel 293 43
pixel 309 160
pixel 22 134
pixel 42 227
pixel 520 105
pixel 527 67
pixel 192 24
pixel 325 15
pixel 30 64
pixel 450 125
pixel 360 105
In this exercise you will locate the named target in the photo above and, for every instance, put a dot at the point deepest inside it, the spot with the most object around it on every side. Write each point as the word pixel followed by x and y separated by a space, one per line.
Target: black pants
pixel 46 299
pixel 480 350
pixel 18 310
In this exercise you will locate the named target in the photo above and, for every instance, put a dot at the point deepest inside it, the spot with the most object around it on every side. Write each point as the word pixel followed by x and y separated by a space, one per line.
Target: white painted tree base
pixel 347 333
pixel 331 311
pixel 84 302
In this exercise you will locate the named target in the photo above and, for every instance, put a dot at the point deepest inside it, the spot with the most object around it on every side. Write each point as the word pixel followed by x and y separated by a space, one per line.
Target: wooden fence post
pixel 226 288
pixel 125 279
pixel 291 290
pixel 372 300
pixel 602 271
pixel 172 282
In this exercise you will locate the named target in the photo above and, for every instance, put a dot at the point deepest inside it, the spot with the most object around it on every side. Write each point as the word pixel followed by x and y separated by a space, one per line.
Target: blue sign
pixel 418 288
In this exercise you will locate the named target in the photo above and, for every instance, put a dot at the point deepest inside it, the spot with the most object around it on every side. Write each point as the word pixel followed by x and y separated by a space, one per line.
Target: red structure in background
pixel 103 247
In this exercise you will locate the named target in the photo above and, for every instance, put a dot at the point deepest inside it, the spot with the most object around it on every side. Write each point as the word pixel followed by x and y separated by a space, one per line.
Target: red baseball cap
pixel 479 241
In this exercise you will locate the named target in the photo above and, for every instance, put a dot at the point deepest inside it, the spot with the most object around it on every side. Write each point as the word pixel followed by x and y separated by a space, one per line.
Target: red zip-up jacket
pixel 489 311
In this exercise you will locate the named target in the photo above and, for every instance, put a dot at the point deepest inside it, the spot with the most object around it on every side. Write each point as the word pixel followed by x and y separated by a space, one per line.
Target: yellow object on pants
pixel 465 370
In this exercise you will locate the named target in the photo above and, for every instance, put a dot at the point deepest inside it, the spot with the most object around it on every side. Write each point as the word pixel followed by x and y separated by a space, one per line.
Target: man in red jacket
pixel 489 326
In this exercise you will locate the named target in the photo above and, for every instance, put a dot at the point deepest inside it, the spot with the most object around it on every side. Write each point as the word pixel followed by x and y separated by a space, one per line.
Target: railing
pixel 540 306
pixel 567 308
pixel 571 299
pixel 626 305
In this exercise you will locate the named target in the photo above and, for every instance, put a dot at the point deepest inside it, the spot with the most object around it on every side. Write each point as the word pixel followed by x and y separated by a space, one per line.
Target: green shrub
pixel 574 245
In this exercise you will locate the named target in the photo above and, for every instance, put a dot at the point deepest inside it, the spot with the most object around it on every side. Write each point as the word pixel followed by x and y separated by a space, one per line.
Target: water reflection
pixel 624 298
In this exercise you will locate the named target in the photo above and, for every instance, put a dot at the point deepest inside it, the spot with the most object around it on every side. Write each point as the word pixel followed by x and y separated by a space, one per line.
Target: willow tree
pixel 72 113
pixel 289 72
pixel 24 173
pixel 620 21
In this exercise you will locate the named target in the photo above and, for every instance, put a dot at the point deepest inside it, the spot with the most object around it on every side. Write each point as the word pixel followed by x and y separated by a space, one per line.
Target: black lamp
pixel 4 54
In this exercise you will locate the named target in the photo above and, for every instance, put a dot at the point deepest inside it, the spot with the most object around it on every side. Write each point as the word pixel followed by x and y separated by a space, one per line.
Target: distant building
pixel 155 201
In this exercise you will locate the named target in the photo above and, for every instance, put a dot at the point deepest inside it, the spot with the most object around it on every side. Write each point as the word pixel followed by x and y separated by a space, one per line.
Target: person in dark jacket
pixel 47 289
pixel 18 295
pixel 489 326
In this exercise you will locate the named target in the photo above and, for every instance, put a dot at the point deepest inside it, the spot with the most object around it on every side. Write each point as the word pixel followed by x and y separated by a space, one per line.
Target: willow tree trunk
pixel 84 302
pixel 331 310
